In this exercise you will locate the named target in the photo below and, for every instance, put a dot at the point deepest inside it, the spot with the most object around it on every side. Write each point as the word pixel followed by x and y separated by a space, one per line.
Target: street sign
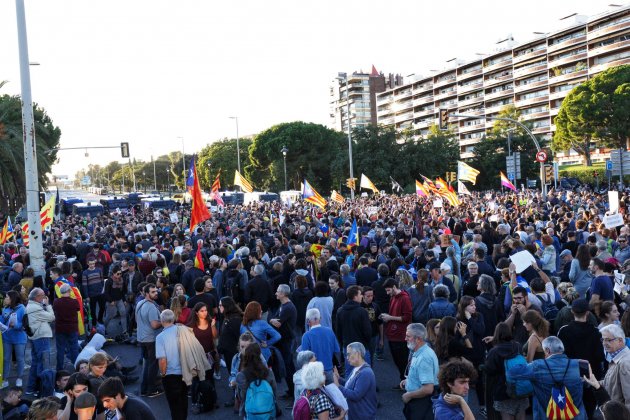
pixel 86 180
pixel 541 156
pixel 513 165
pixel 531 183
pixel 510 176
pixel 609 165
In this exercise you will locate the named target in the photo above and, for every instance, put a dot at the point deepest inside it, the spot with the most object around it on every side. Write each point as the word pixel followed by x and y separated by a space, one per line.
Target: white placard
pixel 493 218
pixel 156 215
pixel 149 228
pixel 371 210
pixel 437 203
pixel 613 220
pixel 174 217
pixel 613 201
pixel 619 282
pixel 522 260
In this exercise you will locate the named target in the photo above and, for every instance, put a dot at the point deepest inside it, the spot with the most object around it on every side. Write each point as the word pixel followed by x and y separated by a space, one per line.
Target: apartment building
pixel 361 90
pixel 534 76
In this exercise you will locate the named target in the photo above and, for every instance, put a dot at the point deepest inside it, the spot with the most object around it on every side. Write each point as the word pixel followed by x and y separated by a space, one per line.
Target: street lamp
pixel 168 182
pixel 343 77
pixel 284 155
pixel 238 148
pixel 144 181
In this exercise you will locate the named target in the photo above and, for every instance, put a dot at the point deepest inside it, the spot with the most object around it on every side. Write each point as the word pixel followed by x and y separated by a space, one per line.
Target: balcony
pixel 386 121
pixel 398 106
pixel 444 82
pixel 466 155
pixel 609 48
pixel 523 88
pixel 472 111
pixel 473 73
pixel 500 94
pixel 569 42
pixel 489 82
pixel 403 117
pixel 554 111
pixel 423 124
pixel 558 95
pixel 468 142
pixel 529 56
pixel 505 62
pixel 568 76
pixel 529 70
pixel 495 109
pixel 424 112
pixel 489 124
pixel 384 99
pixel 401 94
pixel 469 128
pixel 423 87
pixel 542 130
pixel 423 100
pixel 440 96
pixel 594 34
pixel 567 60
pixel 470 87
pixel 535 115
pixel 601 67
pixel 471 101
pixel 531 101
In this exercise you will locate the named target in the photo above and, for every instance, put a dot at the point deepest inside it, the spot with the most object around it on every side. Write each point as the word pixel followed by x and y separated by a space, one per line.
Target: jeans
pixel 118 308
pixel 176 395
pixel 40 351
pixel 19 358
pixel 149 382
pixel 100 300
pixel 67 343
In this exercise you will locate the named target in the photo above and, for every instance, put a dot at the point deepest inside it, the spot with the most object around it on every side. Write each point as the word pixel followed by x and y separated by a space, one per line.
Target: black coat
pixel 495 368
pixel 353 324
pixel 365 276
pixel 258 290
pixel 583 341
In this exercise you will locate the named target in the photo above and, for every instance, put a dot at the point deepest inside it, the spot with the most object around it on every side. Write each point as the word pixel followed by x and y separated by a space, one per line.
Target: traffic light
pixel 451 176
pixel 548 174
pixel 124 149
pixel 351 183
pixel 443 119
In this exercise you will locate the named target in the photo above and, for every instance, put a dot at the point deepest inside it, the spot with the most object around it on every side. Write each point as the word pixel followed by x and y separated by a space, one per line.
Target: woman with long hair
pixel 503 348
pixel 230 329
pixel 453 341
pixel 538 329
pixel 421 294
pixel 467 313
pixel 264 334
pixel 252 369
pixel 179 308
pixel 608 314
pixel 433 330
pixel 580 274
pixel 548 255
pixel 201 324
pixel 14 339
pixel 300 297
pixel 324 302
pixel 338 293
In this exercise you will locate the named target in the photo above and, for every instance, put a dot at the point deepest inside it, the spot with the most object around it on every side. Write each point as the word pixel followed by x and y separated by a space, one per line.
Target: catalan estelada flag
pixel 466 172
pixel 421 189
pixel 506 182
pixel 242 182
pixel 353 236
pixel 311 196
pixel 561 405
pixel 7 231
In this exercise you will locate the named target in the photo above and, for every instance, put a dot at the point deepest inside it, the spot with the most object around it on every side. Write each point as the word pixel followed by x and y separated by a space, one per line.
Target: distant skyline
pixel 150 72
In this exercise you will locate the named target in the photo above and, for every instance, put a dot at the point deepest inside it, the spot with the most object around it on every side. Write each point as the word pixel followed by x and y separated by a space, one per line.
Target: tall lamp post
pixel 284 155
pixel 168 182
pixel 238 148
pixel 343 77
pixel 144 180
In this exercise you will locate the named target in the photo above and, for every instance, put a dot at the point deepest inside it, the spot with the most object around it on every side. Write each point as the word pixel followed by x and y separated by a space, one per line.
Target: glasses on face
pixel 621 241
pixel 609 340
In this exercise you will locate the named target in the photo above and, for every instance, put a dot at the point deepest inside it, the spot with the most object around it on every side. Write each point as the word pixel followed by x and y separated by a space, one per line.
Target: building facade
pixel 534 76
pixel 361 91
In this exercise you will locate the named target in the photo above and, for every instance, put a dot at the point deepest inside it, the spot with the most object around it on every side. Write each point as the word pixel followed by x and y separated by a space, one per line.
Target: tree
pixel 596 110
pixel 376 154
pixel 313 151
pixel 221 155
pixel 47 135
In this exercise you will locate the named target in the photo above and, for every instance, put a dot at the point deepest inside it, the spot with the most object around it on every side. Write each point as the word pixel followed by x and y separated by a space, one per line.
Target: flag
pixel 421 189
pixel 311 196
pixel 505 182
pixel 47 213
pixel 395 185
pixel 466 172
pixel 429 185
pixel 242 182
pixel 447 192
pixel 74 294
pixel 336 197
pixel 7 231
pixel 461 188
pixel 316 249
pixel 199 211
pixel 561 405
pixel 199 260
pixel 25 236
pixel 214 193
pixel 367 184
pixel 324 229
pixel 57 203
pixel 190 177
pixel 353 236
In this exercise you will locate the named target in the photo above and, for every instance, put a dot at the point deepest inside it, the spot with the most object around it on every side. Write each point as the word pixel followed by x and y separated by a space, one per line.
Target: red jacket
pixel 399 305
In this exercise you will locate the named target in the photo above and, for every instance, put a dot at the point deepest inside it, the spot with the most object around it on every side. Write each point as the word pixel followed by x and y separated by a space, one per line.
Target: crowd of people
pixel 286 306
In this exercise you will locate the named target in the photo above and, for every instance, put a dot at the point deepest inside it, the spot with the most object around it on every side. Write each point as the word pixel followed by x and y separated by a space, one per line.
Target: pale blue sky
pixel 149 72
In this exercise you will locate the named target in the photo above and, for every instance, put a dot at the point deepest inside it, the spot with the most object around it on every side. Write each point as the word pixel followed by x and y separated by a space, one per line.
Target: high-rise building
pixel 533 76
pixel 361 90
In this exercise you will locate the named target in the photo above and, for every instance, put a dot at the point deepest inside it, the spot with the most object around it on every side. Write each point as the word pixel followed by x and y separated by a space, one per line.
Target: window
pixel 532 49
pixel 611 41
pixel 568 37
pixel 531 95
pixel 613 22
pixel 613 57
pixel 535 110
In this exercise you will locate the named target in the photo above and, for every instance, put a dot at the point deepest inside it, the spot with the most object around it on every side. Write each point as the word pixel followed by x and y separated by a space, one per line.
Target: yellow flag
pixel 242 182
pixel 367 184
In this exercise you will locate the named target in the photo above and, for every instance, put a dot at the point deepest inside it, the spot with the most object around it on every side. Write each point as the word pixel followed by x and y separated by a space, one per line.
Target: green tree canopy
pixel 313 153
pixel 221 155
pixel 47 135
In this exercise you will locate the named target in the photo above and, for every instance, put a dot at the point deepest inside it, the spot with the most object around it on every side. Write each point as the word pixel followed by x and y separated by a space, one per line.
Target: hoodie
pixel 444 410
pixel 353 324
pixel 491 310
pixel 95 345
pixel 399 305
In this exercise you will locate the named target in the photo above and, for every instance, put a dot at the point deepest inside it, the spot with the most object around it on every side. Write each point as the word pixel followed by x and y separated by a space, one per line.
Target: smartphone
pixel 583 364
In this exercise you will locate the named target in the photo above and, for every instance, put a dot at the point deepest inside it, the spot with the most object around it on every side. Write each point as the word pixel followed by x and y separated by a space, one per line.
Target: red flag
pixel 198 259
pixel 199 210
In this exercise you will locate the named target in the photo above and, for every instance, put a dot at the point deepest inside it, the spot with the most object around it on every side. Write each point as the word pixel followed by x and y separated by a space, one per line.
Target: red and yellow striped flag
pixel 336 197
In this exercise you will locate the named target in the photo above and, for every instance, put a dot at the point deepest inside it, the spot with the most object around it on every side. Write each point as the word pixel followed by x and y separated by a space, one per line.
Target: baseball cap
pixel 565 253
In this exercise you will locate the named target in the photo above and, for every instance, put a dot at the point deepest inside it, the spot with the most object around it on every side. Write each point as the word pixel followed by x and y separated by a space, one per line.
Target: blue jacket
pixel 440 308
pixel 541 378
pixel 15 334
pixel 360 392
pixel 263 332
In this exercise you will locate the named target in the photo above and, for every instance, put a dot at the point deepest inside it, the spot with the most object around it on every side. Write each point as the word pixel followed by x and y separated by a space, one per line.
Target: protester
pixel 14 338
pixel 360 386
pixel 454 379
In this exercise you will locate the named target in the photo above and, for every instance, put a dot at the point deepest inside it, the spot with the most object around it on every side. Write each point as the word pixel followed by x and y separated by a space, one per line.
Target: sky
pixel 163 75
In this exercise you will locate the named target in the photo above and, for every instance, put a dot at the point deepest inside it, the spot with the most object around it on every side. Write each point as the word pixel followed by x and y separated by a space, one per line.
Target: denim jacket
pixel 541 378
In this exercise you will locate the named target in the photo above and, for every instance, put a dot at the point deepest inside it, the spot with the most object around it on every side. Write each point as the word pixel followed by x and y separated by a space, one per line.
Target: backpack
pixel 549 309
pixel 232 285
pixel 302 409
pixel 26 325
pixel 259 401
pixel 560 405
pixel 516 388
